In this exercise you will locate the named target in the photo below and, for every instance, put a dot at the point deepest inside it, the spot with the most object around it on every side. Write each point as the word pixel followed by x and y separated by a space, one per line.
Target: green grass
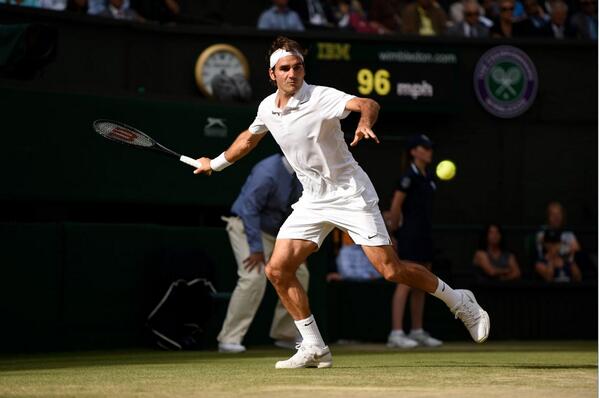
pixel 496 369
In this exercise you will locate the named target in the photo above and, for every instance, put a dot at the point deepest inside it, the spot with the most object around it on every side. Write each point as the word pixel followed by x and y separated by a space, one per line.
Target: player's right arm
pixel 243 144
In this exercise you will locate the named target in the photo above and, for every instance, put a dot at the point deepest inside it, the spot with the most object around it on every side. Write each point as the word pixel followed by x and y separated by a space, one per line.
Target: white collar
pixel 295 100
pixel 415 168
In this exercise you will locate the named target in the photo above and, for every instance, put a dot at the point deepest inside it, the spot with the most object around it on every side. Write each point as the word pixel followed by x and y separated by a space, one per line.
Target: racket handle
pixel 190 161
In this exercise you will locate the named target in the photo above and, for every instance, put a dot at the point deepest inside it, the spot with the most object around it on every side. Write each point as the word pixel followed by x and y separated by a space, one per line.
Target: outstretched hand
pixel 204 167
pixel 363 132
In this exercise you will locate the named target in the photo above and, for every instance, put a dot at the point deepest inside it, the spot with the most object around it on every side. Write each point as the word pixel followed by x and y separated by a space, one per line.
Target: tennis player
pixel 305 122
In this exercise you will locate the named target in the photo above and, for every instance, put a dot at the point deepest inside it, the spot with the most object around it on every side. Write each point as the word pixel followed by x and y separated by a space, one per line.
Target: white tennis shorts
pixel 313 218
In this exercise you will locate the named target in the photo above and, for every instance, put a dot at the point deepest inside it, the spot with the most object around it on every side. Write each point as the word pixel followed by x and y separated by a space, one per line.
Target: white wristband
pixel 220 162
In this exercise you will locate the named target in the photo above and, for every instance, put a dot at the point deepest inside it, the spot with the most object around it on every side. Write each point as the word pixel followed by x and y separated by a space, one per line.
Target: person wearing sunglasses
pixel 503 27
pixel 471 25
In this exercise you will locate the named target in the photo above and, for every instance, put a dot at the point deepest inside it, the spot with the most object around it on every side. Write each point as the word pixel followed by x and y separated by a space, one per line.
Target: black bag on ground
pixel 179 320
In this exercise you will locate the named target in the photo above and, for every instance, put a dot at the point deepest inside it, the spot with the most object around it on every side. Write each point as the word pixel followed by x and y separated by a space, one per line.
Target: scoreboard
pixel 400 77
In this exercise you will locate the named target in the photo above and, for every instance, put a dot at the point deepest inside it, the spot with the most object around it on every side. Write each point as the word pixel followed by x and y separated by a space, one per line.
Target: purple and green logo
pixel 505 81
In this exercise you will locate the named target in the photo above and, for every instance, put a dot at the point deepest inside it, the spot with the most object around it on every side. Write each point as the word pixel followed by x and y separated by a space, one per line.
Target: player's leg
pixel 246 296
pixel 283 329
pixel 281 271
pixel 461 302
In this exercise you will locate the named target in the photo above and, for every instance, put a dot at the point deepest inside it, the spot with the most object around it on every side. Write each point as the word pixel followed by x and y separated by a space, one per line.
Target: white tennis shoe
pixel 400 340
pixel 308 356
pixel 424 339
pixel 474 317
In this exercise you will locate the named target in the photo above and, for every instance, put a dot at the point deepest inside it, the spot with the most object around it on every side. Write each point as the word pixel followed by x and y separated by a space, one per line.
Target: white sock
pixel 417 330
pixel 309 331
pixel 447 294
pixel 397 332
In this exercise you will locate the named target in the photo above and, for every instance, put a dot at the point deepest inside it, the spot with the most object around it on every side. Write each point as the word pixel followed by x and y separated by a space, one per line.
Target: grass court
pixel 494 369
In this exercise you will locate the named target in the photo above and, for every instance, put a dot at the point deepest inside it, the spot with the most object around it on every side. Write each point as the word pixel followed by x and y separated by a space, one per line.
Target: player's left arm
pixel 369 112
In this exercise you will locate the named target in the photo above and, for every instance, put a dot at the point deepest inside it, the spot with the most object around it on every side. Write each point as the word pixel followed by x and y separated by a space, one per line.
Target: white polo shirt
pixel 308 130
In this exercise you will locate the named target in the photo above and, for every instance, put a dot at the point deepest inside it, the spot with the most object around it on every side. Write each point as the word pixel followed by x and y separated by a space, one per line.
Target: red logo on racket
pixel 123 135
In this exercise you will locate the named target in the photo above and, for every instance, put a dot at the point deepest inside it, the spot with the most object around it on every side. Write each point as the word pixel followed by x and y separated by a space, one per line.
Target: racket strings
pixel 123 134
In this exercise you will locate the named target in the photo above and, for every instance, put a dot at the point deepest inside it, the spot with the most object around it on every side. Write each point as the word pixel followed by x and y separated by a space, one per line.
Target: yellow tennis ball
pixel 446 170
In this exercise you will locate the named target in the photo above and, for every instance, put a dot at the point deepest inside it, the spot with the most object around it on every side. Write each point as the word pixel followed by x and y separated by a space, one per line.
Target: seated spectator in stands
pixel 491 8
pixel 535 22
pixel 553 266
pixel 456 13
pixel 471 26
pixel 22 3
pixel 77 6
pixel 56 5
pixel 424 18
pixel 117 9
pixel 97 6
pixel 494 262
pixel 351 16
pixel 585 22
pixel 556 220
pixel 502 27
pixel 353 264
pixel 280 17
pixel 558 28
pixel 387 13
pixel 314 13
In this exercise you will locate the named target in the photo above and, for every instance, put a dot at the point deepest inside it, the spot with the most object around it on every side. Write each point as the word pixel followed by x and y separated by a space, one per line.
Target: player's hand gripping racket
pixel 124 134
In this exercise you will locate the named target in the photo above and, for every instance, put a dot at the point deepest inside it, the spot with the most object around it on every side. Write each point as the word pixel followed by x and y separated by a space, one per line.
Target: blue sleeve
pixel 263 22
pixel 258 188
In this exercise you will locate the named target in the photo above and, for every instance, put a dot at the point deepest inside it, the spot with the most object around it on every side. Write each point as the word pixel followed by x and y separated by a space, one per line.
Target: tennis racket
pixel 124 134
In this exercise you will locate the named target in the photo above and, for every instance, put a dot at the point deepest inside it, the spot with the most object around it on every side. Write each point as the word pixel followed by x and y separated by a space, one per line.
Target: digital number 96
pixel 377 81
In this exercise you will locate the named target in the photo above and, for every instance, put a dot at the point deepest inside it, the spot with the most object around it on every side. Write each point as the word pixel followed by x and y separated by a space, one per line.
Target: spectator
pixel 424 18
pixel 23 3
pixel 556 222
pixel 553 266
pixel 95 7
pixel 258 213
pixel 56 5
pixel 411 217
pixel 456 13
pixel 314 13
pixel 387 13
pixel 352 16
pixel 535 22
pixel 280 17
pixel 117 9
pixel 491 9
pixel 492 259
pixel 558 28
pixel 471 25
pixel 353 264
pixel 503 26
pixel 585 22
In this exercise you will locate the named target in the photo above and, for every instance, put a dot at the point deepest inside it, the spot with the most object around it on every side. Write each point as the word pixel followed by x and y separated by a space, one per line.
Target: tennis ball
pixel 446 170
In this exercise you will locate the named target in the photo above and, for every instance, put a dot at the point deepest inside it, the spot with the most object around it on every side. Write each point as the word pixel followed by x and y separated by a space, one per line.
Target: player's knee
pixel 274 274
pixel 393 272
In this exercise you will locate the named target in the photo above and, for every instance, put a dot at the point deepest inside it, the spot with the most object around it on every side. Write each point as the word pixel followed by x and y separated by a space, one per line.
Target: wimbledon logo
pixel 505 81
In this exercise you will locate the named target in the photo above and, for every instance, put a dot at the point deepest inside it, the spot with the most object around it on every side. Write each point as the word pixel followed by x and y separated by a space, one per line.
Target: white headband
pixel 280 53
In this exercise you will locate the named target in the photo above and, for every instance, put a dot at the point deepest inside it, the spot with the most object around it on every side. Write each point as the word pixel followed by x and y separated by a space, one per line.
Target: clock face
pixel 220 59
